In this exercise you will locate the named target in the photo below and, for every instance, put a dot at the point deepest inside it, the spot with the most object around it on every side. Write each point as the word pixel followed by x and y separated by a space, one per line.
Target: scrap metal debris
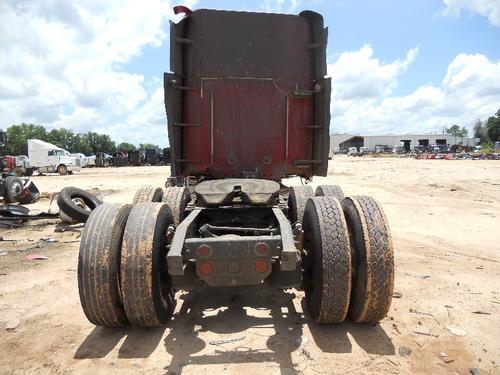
pixel 36 257
pixel 445 358
pixel 426 334
pixel 6 240
pixel 12 324
pixel 404 351
pixel 226 341
pixel 456 331
pixel 48 239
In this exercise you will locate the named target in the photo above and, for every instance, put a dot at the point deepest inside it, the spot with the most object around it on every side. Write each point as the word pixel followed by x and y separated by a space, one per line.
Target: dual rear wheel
pixel 348 259
pixel 122 270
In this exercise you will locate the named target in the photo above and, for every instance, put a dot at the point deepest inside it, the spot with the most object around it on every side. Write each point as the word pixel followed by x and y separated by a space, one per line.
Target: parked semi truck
pixel 48 158
pixel 248 105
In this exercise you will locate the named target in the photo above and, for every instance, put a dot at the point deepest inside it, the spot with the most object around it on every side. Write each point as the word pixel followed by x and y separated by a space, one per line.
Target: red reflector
pixel 206 268
pixel 261 266
pixel 261 247
pixel 203 250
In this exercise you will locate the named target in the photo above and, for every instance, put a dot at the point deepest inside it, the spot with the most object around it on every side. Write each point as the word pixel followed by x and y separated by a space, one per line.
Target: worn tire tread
pixel 330 190
pixel 297 200
pixel 374 284
pixel 144 265
pixel 98 265
pixel 148 194
pixel 177 199
pixel 324 223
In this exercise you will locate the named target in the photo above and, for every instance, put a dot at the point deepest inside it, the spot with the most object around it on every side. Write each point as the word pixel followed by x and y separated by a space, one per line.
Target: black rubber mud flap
pixel 331 191
pixel 147 294
pixel 373 259
pixel 297 200
pixel 66 204
pixel 99 265
pixel 327 263
pixel 177 199
pixel 148 194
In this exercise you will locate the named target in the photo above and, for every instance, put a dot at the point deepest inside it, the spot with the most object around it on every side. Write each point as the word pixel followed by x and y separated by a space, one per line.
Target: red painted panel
pixel 243 129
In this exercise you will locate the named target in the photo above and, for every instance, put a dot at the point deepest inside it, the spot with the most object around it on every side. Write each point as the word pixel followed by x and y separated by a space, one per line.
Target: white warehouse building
pixel 408 141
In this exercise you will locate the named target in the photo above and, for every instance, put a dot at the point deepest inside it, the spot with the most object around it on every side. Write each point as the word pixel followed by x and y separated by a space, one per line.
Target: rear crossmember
pixel 234 260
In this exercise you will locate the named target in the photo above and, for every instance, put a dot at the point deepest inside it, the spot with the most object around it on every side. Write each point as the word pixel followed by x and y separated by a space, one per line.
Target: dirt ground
pixel 444 221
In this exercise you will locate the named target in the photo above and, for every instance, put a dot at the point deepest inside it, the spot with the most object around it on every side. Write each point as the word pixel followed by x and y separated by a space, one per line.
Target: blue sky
pixel 397 66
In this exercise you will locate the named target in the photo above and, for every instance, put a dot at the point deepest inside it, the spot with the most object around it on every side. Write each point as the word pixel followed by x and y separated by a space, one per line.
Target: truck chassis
pixel 248 105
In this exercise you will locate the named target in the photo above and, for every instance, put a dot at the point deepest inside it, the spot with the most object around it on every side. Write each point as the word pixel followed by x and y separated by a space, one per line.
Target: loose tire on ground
pixel 13 188
pixel 327 271
pixel 330 190
pixel 148 194
pixel 297 200
pixel 177 199
pixel 70 208
pixel 99 264
pixel 373 259
pixel 147 294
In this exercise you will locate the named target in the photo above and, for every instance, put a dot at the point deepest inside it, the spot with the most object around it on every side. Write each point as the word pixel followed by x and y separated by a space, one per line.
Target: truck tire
pixel 330 190
pixel 147 194
pixel 13 187
pixel 327 264
pixel 177 199
pixel 77 213
pixel 373 259
pixel 99 265
pixel 146 289
pixel 297 200
pixel 62 170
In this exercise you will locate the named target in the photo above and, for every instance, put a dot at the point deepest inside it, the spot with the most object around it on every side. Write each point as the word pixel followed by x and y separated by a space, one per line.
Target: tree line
pixel 488 131
pixel 86 143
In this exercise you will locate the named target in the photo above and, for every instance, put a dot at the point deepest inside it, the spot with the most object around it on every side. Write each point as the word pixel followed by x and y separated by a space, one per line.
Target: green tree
pixel 63 138
pixel 457 132
pixel 481 131
pixel 100 142
pixel 144 146
pixel 124 146
pixel 81 144
pixel 18 135
pixel 493 127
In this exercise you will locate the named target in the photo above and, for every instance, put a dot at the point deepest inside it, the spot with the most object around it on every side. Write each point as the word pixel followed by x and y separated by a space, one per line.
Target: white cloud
pixel 281 6
pixel 147 124
pixel 61 62
pixel 363 100
pixel 486 8
pixel 358 74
